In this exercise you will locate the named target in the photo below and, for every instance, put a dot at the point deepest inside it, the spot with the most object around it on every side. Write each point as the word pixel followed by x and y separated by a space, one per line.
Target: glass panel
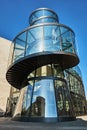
pixel 73 41
pixel 63 30
pixel 67 42
pixel 22 37
pixel 75 82
pixel 18 54
pixel 19 49
pixel 51 40
pixel 27 99
pixel 58 71
pixel 33 18
pixel 35 41
pixel 43 103
pixel 19 43
pixel 30 37
pixel 63 99
pixel 42 20
pixel 76 71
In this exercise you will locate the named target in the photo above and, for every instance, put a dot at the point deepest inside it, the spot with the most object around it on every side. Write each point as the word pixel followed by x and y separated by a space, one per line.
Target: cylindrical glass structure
pixel 43 15
pixel 40 55
pixel 46 96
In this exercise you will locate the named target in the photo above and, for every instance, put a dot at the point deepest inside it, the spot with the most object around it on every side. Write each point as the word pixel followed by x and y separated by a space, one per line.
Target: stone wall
pixel 4 85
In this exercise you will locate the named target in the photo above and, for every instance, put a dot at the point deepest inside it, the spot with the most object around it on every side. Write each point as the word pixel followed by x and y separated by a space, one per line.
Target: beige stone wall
pixel 4 85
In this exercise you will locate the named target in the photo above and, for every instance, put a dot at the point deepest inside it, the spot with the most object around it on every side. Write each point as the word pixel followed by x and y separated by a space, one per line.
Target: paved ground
pixel 79 124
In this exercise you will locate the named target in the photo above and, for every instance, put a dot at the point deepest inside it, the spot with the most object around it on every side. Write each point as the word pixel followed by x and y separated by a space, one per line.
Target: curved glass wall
pixel 45 19
pixel 76 88
pixel 43 15
pixel 44 38
pixel 74 79
pixel 43 102
pixel 46 94
pixel 75 71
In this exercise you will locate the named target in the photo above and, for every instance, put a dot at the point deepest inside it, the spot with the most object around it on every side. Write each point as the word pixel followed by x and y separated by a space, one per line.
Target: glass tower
pixel 39 57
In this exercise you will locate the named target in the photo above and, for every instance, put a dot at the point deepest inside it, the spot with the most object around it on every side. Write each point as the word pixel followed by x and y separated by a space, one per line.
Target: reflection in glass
pixel 47 94
pixel 27 100
pixel 64 102
pixel 44 92
pixel 47 38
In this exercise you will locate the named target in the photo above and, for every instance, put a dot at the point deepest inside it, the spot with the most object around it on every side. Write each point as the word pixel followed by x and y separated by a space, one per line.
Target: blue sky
pixel 14 16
